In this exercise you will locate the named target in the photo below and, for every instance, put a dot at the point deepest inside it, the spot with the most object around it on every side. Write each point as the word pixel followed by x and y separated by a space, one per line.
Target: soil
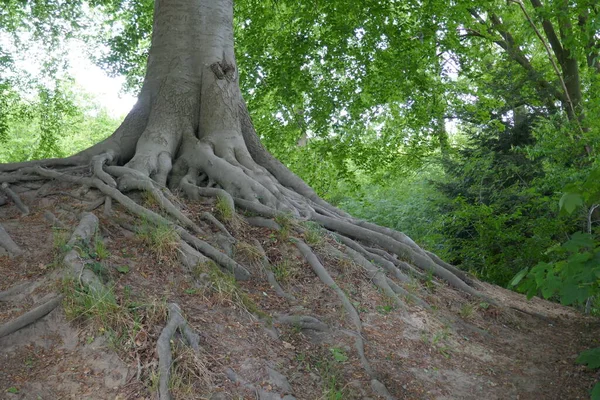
pixel 462 348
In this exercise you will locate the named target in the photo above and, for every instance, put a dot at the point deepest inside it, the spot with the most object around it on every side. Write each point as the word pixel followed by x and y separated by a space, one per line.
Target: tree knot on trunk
pixel 224 70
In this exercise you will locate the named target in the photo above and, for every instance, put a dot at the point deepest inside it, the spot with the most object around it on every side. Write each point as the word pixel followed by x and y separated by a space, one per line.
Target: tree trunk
pixel 190 130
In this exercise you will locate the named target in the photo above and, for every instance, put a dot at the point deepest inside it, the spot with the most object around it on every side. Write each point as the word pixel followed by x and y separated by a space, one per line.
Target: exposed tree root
pixel 208 217
pixel 14 291
pixel 95 204
pixel 163 347
pixel 30 316
pixel 388 265
pixel 259 392
pixel 225 261
pixel 15 198
pixel 303 322
pixel 270 275
pixel 401 249
pixel 7 243
pixel 263 223
pixel 57 223
pixel 322 273
pixel 108 206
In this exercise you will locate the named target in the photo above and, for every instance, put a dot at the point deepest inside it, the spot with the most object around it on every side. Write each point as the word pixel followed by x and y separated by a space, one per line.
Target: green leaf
pixel 590 357
pixel 596 392
pixel 519 277
pixel 338 354
pixel 123 269
pixel 12 390
pixel 570 201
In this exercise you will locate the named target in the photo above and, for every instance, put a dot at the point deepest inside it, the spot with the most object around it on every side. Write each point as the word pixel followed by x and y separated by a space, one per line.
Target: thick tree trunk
pixel 191 130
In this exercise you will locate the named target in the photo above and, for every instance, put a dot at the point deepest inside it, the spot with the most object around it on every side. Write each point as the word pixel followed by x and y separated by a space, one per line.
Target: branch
pixel 508 44
pixel 556 70
pixel 550 32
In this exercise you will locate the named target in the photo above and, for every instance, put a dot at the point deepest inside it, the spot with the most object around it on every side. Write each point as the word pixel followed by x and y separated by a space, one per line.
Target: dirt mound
pixel 283 333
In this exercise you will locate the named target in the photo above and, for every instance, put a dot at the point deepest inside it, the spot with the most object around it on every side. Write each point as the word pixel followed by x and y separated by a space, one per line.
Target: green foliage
pixel 591 358
pixel 572 279
pixel 339 355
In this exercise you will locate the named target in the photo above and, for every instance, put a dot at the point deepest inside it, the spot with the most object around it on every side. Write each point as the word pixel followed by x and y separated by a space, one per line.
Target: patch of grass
pixel 248 252
pixel 225 288
pixel 122 322
pixel 286 223
pixel 282 271
pixel 314 234
pixel 100 249
pixel 224 210
pixel 333 388
pixel 161 239
pixel 148 199
pixel 60 238
pixel 189 372
pixel 466 311
pixel 429 281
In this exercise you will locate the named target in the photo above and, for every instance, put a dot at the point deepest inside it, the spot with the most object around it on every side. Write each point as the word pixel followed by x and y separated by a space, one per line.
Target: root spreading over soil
pixel 138 300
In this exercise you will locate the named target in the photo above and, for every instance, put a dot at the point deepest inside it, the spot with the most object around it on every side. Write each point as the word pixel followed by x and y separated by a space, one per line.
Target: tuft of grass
pixel 225 288
pixel 161 239
pixel 148 199
pixel 189 372
pixel 248 252
pixel 224 210
pixel 123 322
pixel 100 249
pixel 466 311
pixel 286 271
pixel 60 238
pixel 333 388
pixel 282 271
pixel 314 234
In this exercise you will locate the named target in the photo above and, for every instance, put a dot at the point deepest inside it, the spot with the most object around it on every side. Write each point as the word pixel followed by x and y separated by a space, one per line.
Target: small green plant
pixel 384 309
pixel 339 355
pixel 98 269
pixel 591 358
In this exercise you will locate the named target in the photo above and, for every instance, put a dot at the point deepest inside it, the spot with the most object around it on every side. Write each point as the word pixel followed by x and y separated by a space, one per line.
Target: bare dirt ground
pixel 463 348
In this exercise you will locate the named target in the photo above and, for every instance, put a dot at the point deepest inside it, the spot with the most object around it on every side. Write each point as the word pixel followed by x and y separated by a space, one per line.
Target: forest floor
pixel 463 348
